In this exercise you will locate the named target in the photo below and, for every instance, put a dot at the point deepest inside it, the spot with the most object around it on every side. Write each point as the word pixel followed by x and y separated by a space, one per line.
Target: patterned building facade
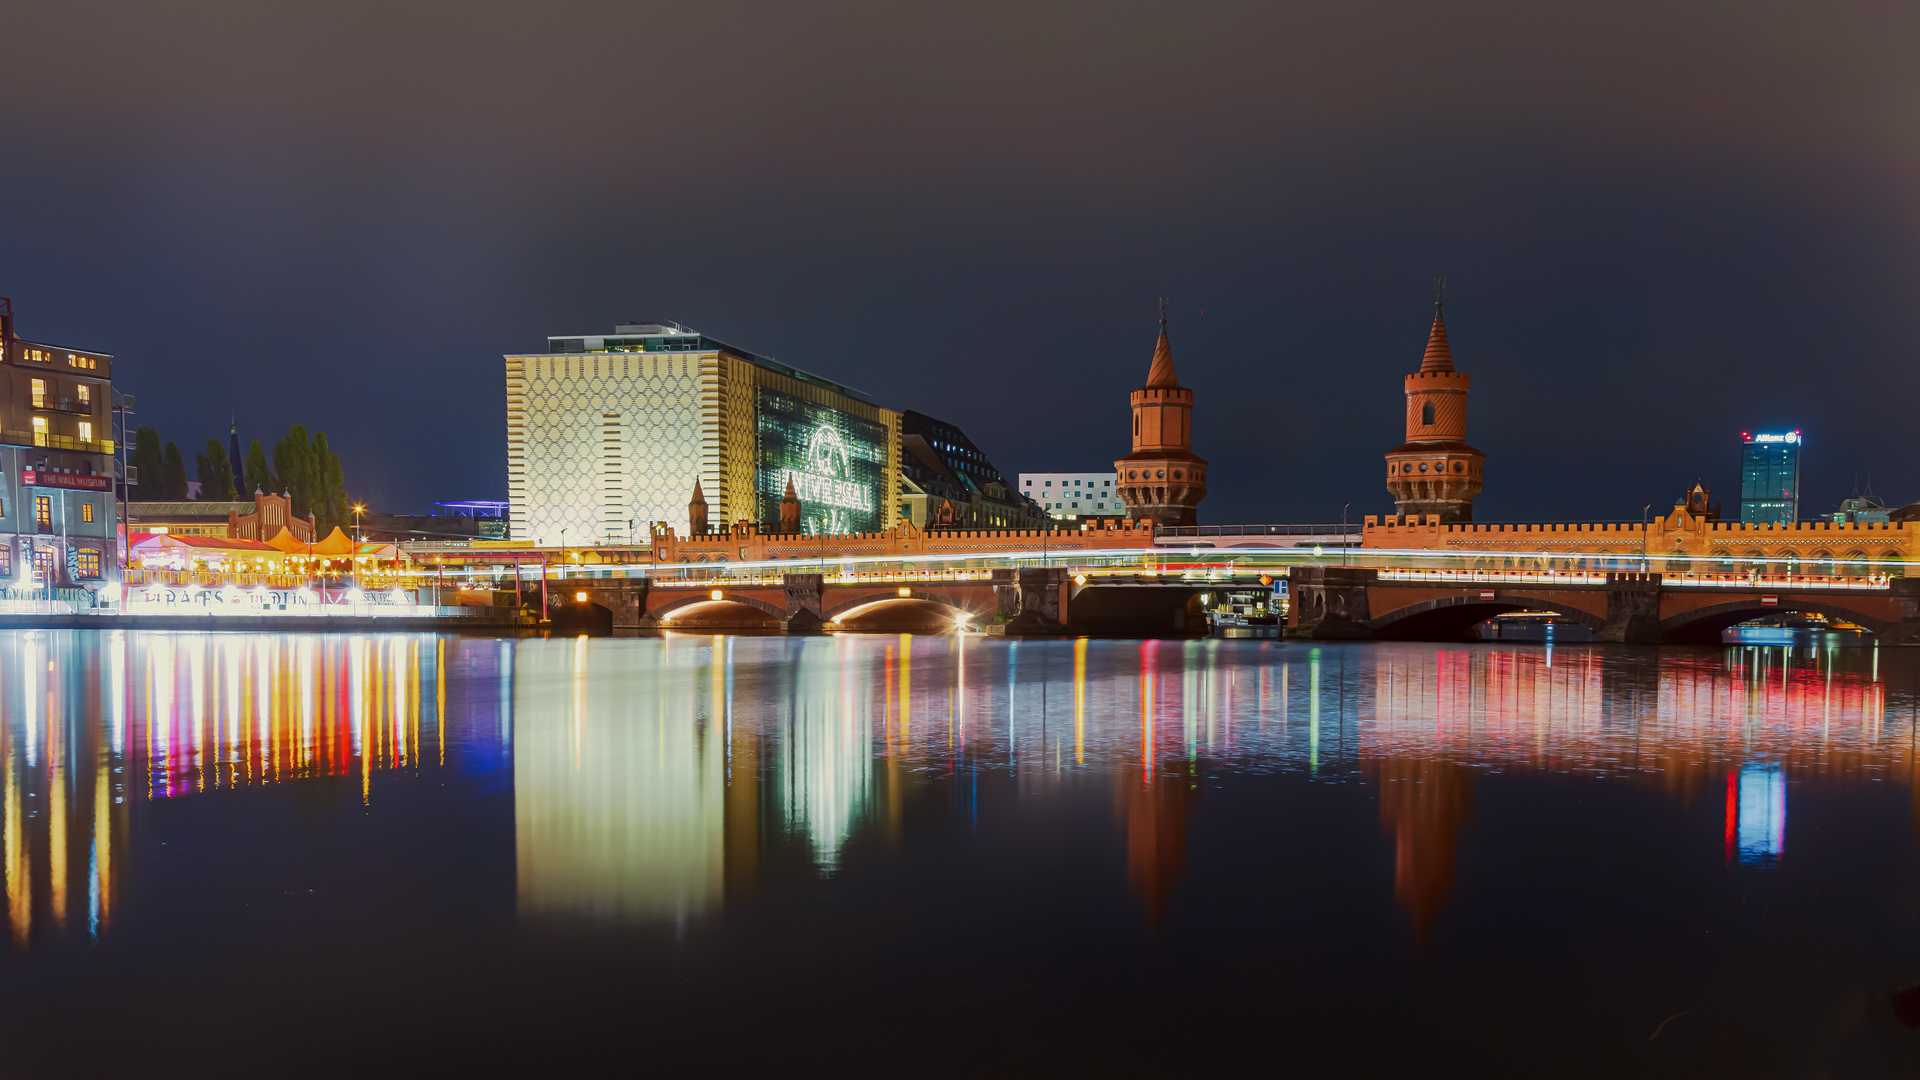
pixel 606 434
pixel 1434 471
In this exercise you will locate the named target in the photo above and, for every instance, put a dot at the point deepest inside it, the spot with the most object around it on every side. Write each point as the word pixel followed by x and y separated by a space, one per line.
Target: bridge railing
pixel 1779 581
pixel 1480 577
pixel 1687 579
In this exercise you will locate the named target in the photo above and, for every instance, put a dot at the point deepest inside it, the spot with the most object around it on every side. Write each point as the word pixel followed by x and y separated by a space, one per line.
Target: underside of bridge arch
pixel 1453 618
pixel 727 613
pixel 900 615
pixel 1705 625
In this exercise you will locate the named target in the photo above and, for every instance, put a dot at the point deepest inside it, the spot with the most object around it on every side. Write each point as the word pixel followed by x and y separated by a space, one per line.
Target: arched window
pixel 1426 414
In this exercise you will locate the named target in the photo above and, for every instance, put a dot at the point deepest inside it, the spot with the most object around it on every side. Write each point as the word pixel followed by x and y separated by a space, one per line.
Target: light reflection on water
pixel 650 777
pixel 653 780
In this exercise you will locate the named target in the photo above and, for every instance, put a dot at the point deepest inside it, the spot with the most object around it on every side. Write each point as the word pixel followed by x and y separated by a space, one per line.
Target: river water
pixel 230 853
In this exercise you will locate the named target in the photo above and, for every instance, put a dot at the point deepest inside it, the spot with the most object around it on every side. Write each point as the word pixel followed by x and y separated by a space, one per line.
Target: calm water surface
pixel 232 854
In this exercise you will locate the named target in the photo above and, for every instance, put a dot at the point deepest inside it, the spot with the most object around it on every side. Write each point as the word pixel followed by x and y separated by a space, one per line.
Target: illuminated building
pixel 1074 496
pixel 1162 480
pixel 948 482
pixel 259 518
pixel 1434 471
pixel 1770 477
pixel 604 432
pixel 57 512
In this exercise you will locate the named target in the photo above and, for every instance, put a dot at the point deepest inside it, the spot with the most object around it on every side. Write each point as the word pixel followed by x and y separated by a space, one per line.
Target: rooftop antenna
pixel 1439 290
pixel 1163 314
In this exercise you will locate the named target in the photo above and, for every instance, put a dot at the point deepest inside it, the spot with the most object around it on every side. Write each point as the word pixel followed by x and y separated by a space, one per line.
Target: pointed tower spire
pixel 1161 373
pixel 1439 357
pixel 234 461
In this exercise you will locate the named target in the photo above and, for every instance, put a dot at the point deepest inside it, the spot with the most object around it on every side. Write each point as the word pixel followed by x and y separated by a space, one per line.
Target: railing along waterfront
pixel 1686 579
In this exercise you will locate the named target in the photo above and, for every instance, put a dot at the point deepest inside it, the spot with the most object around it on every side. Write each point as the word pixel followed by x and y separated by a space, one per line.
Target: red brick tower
pixel 1163 480
pixel 1435 471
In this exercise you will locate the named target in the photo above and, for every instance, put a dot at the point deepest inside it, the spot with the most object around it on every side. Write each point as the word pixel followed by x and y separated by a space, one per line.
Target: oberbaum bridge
pixel 1425 572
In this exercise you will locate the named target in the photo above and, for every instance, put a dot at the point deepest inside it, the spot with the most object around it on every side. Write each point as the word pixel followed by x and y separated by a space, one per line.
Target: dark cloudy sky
pixel 1662 223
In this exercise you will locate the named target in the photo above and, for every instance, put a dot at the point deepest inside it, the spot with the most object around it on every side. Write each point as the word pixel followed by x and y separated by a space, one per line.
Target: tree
pixel 215 473
pixel 293 463
pixel 173 470
pixel 259 477
pixel 149 466
pixel 333 484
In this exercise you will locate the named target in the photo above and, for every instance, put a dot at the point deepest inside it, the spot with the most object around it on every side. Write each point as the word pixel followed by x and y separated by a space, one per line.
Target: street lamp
pixel 358 509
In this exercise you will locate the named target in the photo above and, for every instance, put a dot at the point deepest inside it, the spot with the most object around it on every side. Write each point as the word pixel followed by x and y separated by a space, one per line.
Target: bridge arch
pixel 893 608
pixel 703 604
pixel 1705 624
pixel 1449 617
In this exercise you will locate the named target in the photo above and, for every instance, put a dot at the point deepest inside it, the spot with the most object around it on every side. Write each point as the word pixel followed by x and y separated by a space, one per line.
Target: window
pixel 85 392
pixel 87 562
pixel 39 431
pixel 43 512
pixel 1426 414
pixel 39 393
pixel 1049 483
pixel 43 565
pixel 6 561
pixel 86 431
pixel 1106 483
pixel 86 511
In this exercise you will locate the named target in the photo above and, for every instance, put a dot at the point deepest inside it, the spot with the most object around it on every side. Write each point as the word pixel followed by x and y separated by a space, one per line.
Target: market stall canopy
pixel 289 543
pixel 334 543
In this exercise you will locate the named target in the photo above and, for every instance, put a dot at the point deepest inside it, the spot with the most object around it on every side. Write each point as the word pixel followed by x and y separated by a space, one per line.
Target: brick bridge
pixel 1353 602
pixel 1025 601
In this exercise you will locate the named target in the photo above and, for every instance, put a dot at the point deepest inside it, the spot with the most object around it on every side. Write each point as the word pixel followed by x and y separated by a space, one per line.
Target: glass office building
pixel 1770 477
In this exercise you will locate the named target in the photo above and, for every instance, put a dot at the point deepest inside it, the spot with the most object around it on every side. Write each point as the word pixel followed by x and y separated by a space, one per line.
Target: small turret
pixel 696 512
pixel 790 509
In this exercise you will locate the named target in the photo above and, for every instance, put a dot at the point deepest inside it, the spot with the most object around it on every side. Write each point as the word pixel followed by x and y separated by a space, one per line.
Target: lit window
pixel 86 431
pixel 39 393
pixel 43 512
pixel 39 431
pixel 86 511
pixel 87 561
pixel 86 394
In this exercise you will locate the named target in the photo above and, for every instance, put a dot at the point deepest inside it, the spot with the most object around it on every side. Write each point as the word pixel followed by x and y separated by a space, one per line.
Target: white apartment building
pixel 1070 496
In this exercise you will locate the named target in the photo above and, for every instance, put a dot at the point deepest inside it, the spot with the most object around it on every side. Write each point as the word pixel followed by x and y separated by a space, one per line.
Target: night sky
pixel 1662 224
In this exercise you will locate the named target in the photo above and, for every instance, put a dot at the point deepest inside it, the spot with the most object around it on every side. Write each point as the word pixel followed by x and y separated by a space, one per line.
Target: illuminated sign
pixel 1792 437
pixel 36 478
pixel 837 463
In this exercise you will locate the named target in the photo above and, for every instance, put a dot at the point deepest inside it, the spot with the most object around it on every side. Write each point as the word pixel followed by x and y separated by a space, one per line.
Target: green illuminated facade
pixel 836 461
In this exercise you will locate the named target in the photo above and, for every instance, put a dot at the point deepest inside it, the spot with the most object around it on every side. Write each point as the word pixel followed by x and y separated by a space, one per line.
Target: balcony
pixel 64 404
pixel 16 437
